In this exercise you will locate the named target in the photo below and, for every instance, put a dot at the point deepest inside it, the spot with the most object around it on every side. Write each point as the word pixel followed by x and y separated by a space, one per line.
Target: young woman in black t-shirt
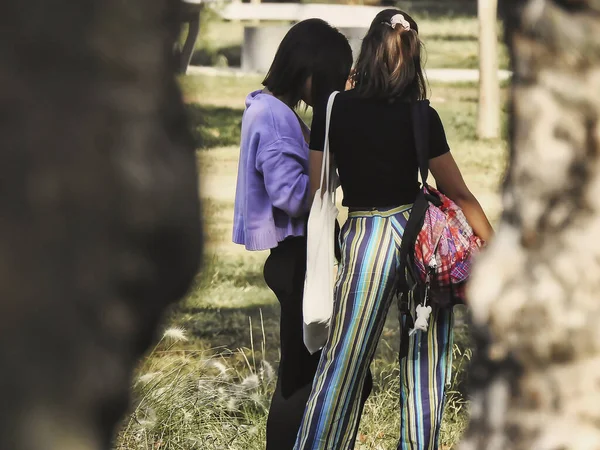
pixel 372 141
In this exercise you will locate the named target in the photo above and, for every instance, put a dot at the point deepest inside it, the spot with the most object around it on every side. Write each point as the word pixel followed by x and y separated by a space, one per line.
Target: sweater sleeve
pixel 286 180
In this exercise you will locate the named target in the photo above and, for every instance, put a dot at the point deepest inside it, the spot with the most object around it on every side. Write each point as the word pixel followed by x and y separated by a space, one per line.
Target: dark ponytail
pixel 389 64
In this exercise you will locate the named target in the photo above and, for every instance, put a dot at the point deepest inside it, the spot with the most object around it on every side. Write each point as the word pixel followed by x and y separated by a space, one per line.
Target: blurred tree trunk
pixel 99 214
pixel 488 121
pixel 535 293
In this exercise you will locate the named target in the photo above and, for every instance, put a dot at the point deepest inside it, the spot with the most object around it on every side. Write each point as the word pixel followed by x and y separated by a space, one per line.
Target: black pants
pixel 284 273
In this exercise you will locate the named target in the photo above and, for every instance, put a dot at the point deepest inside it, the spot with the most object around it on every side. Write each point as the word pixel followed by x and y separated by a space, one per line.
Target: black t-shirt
pixel 373 145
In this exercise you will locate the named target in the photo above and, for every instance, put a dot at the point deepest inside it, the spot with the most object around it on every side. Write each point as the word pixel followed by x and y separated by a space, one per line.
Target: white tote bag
pixel 317 303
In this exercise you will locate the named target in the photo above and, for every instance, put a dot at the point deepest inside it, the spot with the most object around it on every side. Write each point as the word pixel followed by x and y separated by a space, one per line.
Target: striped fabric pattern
pixel 424 375
pixel 364 291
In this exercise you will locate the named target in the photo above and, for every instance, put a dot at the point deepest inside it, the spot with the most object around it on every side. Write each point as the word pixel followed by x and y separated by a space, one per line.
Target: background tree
pixel 488 120
pixel 537 288
pixel 190 15
pixel 99 216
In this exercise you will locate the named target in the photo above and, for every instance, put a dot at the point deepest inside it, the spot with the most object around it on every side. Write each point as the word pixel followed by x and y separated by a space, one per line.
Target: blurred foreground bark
pixel 99 216
pixel 537 373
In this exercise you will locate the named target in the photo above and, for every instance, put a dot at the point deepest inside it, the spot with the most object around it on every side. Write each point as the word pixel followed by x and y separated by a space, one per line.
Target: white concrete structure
pixel 268 23
pixel 342 16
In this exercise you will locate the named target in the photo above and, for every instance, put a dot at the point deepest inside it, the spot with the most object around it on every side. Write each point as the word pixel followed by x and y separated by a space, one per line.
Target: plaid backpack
pixel 438 244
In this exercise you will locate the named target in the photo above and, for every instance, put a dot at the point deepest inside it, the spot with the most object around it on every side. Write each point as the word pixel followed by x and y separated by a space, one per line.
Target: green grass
pixel 210 389
pixel 215 126
pixel 216 113
pixel 190 399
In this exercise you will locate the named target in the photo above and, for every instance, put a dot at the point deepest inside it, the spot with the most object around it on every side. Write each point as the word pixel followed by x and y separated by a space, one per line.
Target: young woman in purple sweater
pixel 272 198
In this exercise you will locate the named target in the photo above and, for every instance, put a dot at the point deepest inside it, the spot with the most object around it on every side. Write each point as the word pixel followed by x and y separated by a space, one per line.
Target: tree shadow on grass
pixel 257 327
pixel 230 56
pixel 215 126
pixel 230 329
pixel 230 308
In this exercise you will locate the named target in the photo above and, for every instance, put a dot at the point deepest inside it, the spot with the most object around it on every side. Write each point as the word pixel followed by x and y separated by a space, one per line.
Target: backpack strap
pixel 420 124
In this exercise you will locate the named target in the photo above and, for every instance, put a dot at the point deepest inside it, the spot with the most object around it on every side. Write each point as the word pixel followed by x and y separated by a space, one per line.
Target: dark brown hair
pixel 389 64
pixel 310 48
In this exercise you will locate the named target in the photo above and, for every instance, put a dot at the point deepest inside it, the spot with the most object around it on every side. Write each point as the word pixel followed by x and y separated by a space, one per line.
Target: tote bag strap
pixel 326 167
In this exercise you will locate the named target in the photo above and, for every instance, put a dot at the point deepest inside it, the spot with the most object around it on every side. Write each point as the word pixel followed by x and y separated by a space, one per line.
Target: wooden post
pixel 488 123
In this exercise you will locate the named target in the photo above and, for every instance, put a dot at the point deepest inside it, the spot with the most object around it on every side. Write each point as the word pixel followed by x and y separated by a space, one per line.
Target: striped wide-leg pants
pixel 364 291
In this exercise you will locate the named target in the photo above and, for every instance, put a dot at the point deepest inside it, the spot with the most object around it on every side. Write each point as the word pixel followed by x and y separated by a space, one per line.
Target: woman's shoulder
pixel 346 102
pixel 431 108
pixel 353 98
pixel 431 112
pixel 434 116
pixel 266 113
pixel 348 96
pixel 261 104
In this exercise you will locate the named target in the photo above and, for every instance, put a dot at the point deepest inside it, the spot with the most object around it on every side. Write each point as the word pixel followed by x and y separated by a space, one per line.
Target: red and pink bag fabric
pixel 445 247
pixel 438 245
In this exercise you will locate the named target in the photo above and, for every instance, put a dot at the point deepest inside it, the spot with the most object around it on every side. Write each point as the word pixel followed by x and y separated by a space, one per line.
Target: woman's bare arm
pixel 315 161
pixel 449 179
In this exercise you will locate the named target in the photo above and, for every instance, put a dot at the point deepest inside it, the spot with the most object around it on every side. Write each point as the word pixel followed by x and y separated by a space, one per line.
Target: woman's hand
pixel 350 80
pixel 315 161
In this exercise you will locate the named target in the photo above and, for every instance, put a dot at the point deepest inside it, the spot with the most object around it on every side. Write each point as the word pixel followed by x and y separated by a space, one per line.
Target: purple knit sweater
pixel 272 185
